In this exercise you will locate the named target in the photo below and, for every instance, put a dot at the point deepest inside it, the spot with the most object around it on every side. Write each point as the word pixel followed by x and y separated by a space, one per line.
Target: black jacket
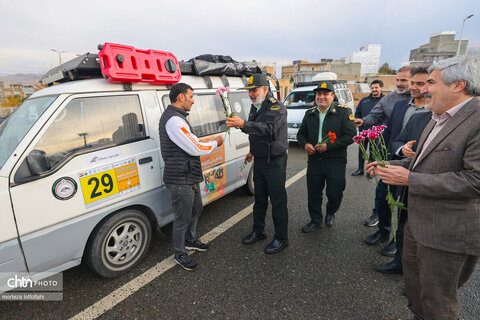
pixel 394 124
pixel 412 131
pixel 365 106
pixel 339 120
pixel 267 129
pixel 180 167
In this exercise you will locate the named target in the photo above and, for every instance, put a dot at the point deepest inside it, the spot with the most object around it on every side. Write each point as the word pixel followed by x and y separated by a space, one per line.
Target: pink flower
pixel 358 139
pixel 239 175
pixel 372 135
pixel 221 90
pixel 364 133
pixel 381 128
pixel 378 129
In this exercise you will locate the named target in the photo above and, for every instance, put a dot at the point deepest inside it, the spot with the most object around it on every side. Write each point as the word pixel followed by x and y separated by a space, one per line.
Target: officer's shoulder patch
pixel 342 106
pixel 275 107
pixel 272 100
pixel 312 109
pixel 351 117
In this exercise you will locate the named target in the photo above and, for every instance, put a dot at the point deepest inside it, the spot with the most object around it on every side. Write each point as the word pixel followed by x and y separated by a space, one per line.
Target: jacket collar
pixel 462 114
pixel 181 111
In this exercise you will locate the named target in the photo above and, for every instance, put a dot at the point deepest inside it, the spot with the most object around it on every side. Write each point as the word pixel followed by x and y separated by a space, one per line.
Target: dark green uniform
pixel 329 166
pixel 267 132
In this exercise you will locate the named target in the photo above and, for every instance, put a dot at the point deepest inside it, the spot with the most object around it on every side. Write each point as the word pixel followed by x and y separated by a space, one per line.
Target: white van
pixel 81 172
pixel 303 98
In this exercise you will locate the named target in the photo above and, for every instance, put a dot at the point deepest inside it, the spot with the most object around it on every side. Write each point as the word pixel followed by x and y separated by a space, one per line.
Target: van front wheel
pixel 118 243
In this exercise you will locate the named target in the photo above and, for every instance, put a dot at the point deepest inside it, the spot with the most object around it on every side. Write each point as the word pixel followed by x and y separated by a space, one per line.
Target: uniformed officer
pixel 267 131
pixel 327 160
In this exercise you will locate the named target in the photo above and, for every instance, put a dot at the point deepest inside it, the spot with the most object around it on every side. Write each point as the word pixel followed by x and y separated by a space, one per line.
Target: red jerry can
pixel 125 64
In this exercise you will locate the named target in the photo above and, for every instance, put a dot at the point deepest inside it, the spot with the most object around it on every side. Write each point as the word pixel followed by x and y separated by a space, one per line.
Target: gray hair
pixel 460 68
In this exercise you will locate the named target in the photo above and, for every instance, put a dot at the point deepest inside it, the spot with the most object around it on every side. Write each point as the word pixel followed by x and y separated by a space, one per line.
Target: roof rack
pixel 125 64
pixel 85 66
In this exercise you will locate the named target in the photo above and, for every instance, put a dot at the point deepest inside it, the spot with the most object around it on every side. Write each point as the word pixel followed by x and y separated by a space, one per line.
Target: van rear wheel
pixel 118 243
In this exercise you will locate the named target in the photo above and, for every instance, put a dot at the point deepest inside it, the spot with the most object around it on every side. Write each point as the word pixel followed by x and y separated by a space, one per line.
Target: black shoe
pixel 393 267
pixel 276 246
pixel 357 173
pixel 329 220
pixel 376 238
pixel 196 245
pixel 372 221
pixel 389 250
pixel 185 261
pixel 311 226
pixel 254 237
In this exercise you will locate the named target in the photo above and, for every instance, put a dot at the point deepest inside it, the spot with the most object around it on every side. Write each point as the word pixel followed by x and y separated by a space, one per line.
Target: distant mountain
pixel 20 78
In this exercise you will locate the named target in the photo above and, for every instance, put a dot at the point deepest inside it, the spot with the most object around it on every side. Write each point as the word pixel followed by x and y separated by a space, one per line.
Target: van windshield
pixel 300 100
pixel 16 126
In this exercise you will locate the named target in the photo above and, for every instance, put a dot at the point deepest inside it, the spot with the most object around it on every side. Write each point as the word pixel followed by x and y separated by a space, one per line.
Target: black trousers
pixel 384 213
pixel 269 181
pixel 320 174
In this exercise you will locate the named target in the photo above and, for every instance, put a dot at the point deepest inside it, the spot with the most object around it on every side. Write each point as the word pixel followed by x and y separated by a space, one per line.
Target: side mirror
pixel 37 162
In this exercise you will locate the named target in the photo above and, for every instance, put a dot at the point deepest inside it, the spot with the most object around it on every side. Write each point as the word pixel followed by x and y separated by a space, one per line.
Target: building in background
pixel 12 96
pixel 304 71
pixel 442 46
pixel 368 57
pixel 474 49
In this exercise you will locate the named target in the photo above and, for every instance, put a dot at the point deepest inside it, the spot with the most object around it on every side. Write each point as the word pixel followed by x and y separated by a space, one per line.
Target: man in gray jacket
pixel 383 109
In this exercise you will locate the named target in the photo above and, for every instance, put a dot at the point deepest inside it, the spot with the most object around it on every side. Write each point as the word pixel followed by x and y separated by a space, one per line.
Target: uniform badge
pixel 351 117
pixel 250 80
pixel 323 85
pixel 275 107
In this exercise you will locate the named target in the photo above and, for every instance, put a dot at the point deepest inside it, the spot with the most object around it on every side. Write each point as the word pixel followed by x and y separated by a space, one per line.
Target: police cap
pixel 255 81
pixel 324 85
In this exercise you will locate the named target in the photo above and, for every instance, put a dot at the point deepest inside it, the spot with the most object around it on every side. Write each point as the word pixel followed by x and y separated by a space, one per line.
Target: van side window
pixel 92 123
pixel 240 101
pixel 207 115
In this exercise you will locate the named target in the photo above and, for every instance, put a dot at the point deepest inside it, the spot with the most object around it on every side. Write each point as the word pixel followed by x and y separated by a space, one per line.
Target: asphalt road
pixel 327 274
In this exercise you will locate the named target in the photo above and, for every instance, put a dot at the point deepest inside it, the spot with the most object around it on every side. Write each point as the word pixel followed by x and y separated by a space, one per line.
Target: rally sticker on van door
pixel 109 181
pixel 64 188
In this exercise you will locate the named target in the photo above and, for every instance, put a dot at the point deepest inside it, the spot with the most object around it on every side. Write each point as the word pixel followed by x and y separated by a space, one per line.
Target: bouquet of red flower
pixel 330 137
pixel 379 154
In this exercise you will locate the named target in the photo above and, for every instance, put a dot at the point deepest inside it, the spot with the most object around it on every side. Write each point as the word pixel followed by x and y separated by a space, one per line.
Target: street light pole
pixel 59 55
pixel 461 32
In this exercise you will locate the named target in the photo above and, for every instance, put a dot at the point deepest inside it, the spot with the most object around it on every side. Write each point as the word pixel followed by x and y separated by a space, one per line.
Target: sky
pixel 269 31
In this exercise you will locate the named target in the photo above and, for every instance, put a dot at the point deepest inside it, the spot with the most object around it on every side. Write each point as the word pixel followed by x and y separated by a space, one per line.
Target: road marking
pixel 122 293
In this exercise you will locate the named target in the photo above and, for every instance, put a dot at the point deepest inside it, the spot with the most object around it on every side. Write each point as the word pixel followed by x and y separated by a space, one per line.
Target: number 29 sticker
pixel 110 181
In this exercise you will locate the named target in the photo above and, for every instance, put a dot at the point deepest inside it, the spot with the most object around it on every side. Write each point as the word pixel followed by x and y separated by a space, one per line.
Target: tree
pixel 385 69
pixel 11 101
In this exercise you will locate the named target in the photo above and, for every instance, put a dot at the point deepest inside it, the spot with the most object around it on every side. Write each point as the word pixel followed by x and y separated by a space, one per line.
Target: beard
pixel 402 91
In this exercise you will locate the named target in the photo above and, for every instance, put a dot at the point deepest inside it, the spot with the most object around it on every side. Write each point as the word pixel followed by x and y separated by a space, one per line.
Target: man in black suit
pixel 405 146
pixel 398 119
pixel 401 114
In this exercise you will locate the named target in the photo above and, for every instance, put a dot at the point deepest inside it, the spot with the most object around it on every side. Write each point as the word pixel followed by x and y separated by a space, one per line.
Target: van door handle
pixel 145 160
